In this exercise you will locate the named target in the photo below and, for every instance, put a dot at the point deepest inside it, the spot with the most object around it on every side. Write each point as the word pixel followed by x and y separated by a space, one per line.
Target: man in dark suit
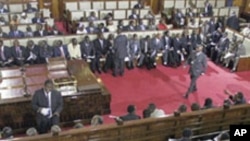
pixel 233 22
pixel 134 15
pixel 91 28
pixel 139 5
pixel 19 53
pixel 15 33
pixel 131 114
pixel 55 31
pixel 45 51
pixel 198 65
pixel 131 26
pixel 47 103
pixel 40 32
pixel 166 44
pixel 141 26
pixel 38 18
pixel 88 52
pixel 33 52
pixel 208 9
pixel 29 8
pixel 144 46
pixel 2 9
pixel 120 52
pixel 5 55
pixel 221 48
pixel 102 28
pixel 61 50
pixel 134 51
pixel 3 34
pixel 101 47
pixel 154 47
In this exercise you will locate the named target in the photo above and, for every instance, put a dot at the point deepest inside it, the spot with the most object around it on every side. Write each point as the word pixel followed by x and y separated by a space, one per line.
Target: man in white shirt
pixel 74 49
pixel 246 31
pixel 24 19
pixel 155 112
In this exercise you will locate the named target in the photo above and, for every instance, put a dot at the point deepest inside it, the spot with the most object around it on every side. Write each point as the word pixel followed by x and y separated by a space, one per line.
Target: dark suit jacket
pixel 4 35
pixel 132 16
pixel 39 100
pixel 130 28
pixel 91 31
pixel 34 50
pixel 30 10
pixel 129 117
pixel 138 6
pixel 195 40
pixel 46 52
pixel 57 52
pixel 223 44
pixel 209 10
pixel 177 44
pixel 4 11
pixel 212 27
pixel 7 54
pixel 99 51
pixel 143 46
pixel 19 34
pixel 87 49
pixel 37 33
pixel 53 33
pixel 120 46
pixel 35 20
pixel 233 22
pixel 198 63
pixel 141 27
pixel 15 54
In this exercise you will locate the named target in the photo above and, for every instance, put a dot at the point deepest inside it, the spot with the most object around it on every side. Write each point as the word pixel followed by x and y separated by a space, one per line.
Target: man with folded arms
pixel 47 103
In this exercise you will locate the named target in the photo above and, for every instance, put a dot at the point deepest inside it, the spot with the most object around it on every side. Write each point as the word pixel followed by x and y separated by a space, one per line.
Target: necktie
pixel 2 53
pixel 146 47
pixel 49 104
pixel 18 51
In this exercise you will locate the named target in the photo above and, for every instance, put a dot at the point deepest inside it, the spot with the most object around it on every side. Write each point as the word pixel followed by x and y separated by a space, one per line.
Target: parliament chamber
pixel 84 94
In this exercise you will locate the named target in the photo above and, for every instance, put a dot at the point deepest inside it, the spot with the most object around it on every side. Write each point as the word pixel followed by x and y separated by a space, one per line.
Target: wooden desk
pixel 16 111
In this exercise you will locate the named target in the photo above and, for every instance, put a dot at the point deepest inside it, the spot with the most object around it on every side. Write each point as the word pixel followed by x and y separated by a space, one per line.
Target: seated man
pixel 134 15
pixel 15 19
pixel 131 26
pixel 5 55
pixel 55 31
pixel 74 49
pixel 92 17
pixel 19 53
pixel 24 19
pixel 29 8
pixel 134 51
pixel 141 26
pixel 40 32
pixel 45 51
pixel 139 5
pixel 2 9
pixel 234 53
pixel 91 28
pixel 61 50
pixel 237 98
pixel 38 18
pixel 162 25
pixel 144 49
pixel 88 52
pixel 3 21
pixel 47 104
pixel 155 112
pixel 15 33
pixel 246 31
pixel 131 109
pixel 33 52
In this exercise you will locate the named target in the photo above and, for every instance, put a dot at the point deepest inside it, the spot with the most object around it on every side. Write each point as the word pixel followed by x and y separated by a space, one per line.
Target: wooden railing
pixel 156 129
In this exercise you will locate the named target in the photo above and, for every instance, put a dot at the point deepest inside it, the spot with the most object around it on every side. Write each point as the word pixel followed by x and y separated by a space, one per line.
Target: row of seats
pixel 19 6
pixel 128 4
pixel 125 13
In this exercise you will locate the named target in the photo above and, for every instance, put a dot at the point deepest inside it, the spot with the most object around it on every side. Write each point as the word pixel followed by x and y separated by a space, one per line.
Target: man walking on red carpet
pixel 198 65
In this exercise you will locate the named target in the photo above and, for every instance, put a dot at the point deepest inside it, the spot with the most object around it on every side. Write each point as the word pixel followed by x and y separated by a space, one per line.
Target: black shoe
pixel 185 96
pixel 194 90
pixel 114 74
pixel 99 71
pixel 121 74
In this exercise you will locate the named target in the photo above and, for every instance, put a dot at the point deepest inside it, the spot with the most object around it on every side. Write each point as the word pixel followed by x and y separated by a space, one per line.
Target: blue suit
pixel 57 52
pixel 37 20
pixel 16 34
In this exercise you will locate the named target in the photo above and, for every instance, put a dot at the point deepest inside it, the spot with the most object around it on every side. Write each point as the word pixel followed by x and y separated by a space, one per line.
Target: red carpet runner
pixel 165 87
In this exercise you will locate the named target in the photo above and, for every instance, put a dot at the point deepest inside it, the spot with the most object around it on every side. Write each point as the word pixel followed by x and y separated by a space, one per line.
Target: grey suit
pixel 133 51
pixel 39 101
pixel 120 52
pixel 198 65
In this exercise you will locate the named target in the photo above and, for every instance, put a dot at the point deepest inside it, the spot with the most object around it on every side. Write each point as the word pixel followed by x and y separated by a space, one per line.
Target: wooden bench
pixel 156 129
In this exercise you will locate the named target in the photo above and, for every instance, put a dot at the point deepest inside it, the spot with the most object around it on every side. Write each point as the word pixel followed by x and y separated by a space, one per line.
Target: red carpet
pixel 165 87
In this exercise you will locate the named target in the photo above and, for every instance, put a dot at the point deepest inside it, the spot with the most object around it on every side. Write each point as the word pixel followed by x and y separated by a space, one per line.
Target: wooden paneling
pixel 157 129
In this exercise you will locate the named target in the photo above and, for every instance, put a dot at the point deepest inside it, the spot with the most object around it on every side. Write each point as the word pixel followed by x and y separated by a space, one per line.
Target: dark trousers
pixel 119 66
pixel 44 123
pixel 109 63
pixel 192 86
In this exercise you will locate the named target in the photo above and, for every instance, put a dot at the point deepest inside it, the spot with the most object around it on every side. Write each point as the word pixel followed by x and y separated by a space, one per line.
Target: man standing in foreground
pixel 120 52
pixel 198 65
pixel 47 103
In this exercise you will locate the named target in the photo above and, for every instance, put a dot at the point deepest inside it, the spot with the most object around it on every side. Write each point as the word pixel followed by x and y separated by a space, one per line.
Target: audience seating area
pixel 160 129
pixel 244 63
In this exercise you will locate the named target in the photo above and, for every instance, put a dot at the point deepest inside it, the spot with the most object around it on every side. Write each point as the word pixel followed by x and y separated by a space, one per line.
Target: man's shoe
pixel 114 74
pixel 185 96
pixel 194 90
